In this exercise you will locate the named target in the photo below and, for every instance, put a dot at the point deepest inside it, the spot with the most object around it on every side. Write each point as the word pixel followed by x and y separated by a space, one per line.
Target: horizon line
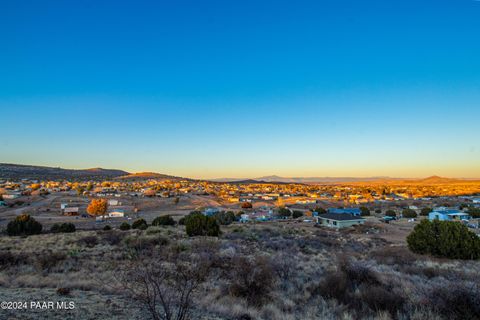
pixel 232 179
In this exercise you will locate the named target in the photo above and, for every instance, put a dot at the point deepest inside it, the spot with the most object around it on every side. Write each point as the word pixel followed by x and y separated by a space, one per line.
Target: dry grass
pixel 267 271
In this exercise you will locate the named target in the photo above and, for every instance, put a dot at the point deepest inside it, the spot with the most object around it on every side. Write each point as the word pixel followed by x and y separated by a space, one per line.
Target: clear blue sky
pixel 243 88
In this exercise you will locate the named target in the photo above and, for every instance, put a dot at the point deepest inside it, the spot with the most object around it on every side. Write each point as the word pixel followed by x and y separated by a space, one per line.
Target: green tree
pixel 125 226
pixel 163 221
pixel 474 212
pixel 284 212
pixel 409 213
pixel 225 218
pixel 140 224
pixel 89 186
pixel 447 239
pixel 63 228
pixel 364 211
pixel 24 225
pixel 425 211
pixel 390 213
pixel 200 225
pixel 320 210
pixel 297 214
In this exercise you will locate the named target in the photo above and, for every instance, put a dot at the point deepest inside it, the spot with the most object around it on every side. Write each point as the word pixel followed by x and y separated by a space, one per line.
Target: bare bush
pixel 89 241
pixel 113 238
pixel 457 301
pixel 165 283
pixel 252 279
pixel 46 261
pixel 394 256
pixel 9 259
pixel 358 287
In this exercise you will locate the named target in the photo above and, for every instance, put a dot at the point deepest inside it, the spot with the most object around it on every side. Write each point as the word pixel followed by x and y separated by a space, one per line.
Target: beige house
pixel 339 220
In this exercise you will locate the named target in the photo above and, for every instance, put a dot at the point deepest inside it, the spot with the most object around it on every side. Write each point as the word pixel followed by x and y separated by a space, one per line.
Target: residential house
pixel 117 213
pixel 443 214
pixel 11 195
pixel 113 202
pixel 351 211
pixel 339 220
pixel 71 211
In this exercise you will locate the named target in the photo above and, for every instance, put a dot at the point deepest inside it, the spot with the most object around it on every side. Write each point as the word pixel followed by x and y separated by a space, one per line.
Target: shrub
pixel 112 238
pixel 181 221
pixel 252 279
pixel 359 288
pixel 107 228
pixel 225 218
pixel 63 228
pixel 457 301
pixel 46 261
pixel 63 291
pixel 23 225
pixel 390 213
pixel 163 221
pixel 89 241
pixel 320 210
pixel 364 211
pixel 140 224
pixel 166 284
pixel 8 259
pixel 380 298
pixel 297 214
pixel 125 226
pixel 398 256
pixel 409 213
pixel 425 211
pixel 145 243
pixel 200 225
pixel 284 212
pixel 378 211
pixel 446 239
pixel 474 212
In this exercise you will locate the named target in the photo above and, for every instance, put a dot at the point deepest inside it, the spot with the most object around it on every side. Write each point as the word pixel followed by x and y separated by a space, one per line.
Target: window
pixel 334 223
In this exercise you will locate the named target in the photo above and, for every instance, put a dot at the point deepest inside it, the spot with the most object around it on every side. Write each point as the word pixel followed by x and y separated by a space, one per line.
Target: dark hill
pixel 19 171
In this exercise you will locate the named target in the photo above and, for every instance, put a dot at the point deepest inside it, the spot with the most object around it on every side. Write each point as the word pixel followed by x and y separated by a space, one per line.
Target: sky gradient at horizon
pixel 243 89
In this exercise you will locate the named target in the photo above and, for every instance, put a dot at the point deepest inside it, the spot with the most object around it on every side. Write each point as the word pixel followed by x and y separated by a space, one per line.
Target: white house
pixel 113 202
pixel 11 196
pixel 116 214
pixel 71 211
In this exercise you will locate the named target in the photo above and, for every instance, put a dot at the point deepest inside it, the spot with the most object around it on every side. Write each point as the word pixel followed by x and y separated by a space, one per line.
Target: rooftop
pixel 339 216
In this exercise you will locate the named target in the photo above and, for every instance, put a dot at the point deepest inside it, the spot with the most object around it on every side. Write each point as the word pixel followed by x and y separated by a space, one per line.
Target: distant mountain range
pixel 304 180
pixel 19 171
pixel 356 180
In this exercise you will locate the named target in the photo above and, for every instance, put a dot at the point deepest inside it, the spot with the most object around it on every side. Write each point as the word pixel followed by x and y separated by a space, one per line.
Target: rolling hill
pixel 20 171
pixel 140 176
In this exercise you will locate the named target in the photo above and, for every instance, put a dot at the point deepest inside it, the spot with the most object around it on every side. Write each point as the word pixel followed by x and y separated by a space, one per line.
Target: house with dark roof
pixel 350 211
pixel 339 220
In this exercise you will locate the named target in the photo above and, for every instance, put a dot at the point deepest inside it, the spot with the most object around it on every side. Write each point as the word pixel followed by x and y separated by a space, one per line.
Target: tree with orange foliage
pixel 246 205
pixel 97 207
pixel 149 193
pixel 35 186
